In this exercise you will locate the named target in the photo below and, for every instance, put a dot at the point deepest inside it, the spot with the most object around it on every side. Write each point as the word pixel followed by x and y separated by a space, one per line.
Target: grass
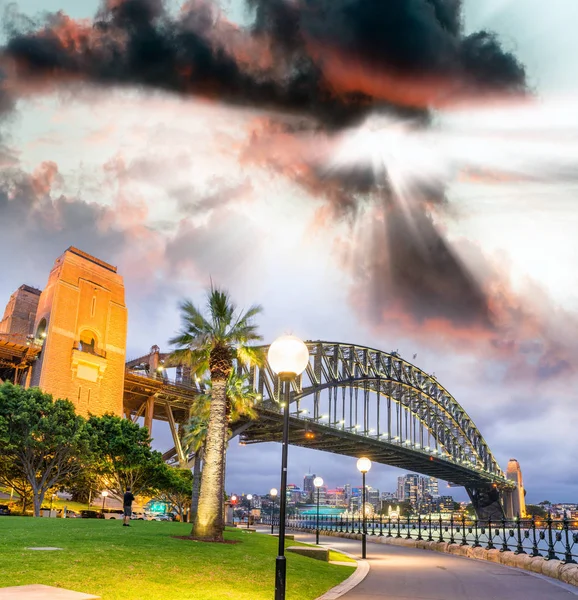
pixel 144 561
pixel 337 556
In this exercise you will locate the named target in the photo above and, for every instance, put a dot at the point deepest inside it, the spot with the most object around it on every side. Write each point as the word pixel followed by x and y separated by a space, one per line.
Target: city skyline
pixel 140 180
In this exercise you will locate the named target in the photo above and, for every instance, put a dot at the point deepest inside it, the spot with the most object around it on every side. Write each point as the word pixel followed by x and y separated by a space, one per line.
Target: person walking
pixel 127 505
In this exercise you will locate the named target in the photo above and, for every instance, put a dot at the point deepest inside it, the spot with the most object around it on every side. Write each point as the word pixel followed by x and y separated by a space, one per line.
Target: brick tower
pixel 82 320
pixel 20 312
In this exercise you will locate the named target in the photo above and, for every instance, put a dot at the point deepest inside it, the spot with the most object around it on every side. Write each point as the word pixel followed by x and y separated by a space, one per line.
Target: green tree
pixel 42 441
pixel 533 510
pixel 123 456
pixel 211 344
pixel 84 486
pixel 14 479
pixel 176 490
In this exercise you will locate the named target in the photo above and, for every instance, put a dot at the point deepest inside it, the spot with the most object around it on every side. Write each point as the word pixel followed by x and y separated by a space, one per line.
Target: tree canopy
pixel 123 456
pixel 42 441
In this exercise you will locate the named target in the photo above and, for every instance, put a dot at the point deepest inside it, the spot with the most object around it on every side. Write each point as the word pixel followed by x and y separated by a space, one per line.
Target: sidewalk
pixel 398 573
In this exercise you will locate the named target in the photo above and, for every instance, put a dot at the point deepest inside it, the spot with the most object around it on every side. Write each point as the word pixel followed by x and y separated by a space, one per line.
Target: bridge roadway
pixel 317 436
pixel 398 573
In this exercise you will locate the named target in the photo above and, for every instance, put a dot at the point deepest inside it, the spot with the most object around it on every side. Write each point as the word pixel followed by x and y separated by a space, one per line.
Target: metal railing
pixel 21 340
pixel 546 537
pixel 87 349
pixel 161 377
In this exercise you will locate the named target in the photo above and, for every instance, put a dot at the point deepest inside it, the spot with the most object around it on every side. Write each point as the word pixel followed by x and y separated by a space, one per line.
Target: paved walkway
pixel 399 573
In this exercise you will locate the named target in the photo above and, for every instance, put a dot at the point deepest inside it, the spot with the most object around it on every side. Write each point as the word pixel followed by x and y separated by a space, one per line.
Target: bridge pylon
pixel 515 499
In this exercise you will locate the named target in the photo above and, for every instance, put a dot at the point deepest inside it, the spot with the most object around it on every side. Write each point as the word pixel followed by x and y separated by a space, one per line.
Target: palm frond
pixel 223 327
pixel 250 355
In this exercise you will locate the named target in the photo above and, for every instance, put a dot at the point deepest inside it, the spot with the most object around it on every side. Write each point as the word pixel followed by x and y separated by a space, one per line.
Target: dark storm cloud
pixel 332 61
pixel 408 37
pixel 426 272
pixel 137 42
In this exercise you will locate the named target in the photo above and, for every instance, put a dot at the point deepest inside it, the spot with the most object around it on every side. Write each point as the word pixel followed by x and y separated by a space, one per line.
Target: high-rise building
pixel 432 487
pixel 347 493
pixel 416 489
pixel 445 503
pixel 400 488
pixel 372 497
pixel 335 497
pixel 308 487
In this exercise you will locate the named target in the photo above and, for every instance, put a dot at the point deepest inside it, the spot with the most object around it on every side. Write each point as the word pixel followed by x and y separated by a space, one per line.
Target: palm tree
pixel 194 441
pixel 211 344
pixel 241 402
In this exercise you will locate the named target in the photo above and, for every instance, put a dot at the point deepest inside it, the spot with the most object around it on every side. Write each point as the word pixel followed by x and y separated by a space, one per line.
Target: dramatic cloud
pixel 333 63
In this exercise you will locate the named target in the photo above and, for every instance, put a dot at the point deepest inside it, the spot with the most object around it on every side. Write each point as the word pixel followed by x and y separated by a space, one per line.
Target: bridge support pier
pixel 515 500
pixel 486 502
pixel 149 412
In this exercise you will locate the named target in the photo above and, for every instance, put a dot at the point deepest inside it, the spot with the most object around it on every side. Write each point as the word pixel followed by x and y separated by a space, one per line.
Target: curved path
pixel 398 573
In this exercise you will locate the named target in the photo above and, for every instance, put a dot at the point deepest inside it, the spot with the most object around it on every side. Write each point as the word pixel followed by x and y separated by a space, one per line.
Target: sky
pixel 435 217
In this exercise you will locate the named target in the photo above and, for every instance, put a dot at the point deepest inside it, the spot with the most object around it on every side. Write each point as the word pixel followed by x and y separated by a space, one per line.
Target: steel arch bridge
pixel 353 400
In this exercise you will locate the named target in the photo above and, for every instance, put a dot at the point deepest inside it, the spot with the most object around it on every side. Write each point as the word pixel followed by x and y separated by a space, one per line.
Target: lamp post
pixel 363 465
pixel 288 357
pixel 273 493
pixel 233 502
pixel 317 482
pixel 51 501
pixel 249 498
pixel 104 495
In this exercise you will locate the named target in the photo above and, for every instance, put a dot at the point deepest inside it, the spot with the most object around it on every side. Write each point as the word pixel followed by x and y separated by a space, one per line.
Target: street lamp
pixel 249 498
pixel 51 501
pixel 317 482
pixel 363 465
pixel 104 495
pixel 233 502
pixel 288 357
pixel 273 493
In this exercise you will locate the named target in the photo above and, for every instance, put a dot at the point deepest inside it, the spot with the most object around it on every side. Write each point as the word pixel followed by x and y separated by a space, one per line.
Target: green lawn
pixel 337 556
pixel 143 562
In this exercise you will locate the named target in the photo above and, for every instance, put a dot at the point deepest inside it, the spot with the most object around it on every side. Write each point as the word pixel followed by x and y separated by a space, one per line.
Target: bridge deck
pixel 269 428
pixel 138 389
pixel 16 354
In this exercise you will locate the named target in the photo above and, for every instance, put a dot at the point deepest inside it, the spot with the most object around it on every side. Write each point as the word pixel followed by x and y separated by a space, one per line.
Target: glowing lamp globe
pixel 105 494
pixel 288 355
pixel 318 482
pixel 273 492
pixel 249 497
pixel 363 465
pixel 233 499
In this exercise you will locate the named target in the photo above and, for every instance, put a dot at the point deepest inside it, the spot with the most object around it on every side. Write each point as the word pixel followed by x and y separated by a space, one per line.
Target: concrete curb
pixel 352 581
pixel 555 569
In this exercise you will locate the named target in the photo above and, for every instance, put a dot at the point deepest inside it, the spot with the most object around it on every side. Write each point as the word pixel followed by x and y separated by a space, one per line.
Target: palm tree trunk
pixel 208 524
pixel 197 469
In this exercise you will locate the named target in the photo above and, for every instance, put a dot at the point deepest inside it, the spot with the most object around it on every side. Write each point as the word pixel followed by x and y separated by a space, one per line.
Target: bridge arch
pixel 406 390
pixel 352 397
